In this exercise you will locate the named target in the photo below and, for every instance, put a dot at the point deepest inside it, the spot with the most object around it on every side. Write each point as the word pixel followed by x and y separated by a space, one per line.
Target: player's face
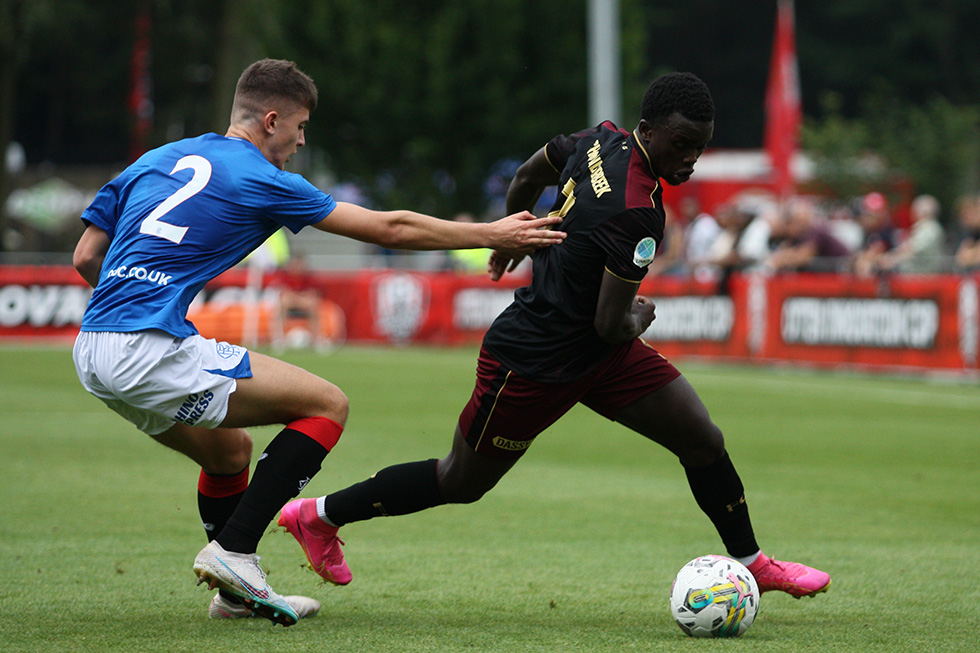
pixel 675 146
pixel 289 135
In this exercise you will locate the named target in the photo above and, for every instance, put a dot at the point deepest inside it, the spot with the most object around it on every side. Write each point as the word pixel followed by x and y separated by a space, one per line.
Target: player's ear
pixel 269 121
pixel 644 128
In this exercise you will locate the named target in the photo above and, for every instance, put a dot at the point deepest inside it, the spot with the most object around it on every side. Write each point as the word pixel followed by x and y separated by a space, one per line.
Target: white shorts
pixel 155 380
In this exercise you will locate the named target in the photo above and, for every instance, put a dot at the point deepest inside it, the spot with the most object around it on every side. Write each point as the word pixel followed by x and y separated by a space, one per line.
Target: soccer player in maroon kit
pixel 572 336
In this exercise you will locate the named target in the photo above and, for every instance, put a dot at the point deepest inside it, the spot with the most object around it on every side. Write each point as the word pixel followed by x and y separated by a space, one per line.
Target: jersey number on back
pixel 569 192
pixel 152 224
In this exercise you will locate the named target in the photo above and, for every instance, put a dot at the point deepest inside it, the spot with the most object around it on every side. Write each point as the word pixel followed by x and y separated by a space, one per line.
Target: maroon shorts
pixel 506 412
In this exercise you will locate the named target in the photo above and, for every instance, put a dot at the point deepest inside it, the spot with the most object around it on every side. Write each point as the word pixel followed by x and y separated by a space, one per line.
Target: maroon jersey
pixel 614 217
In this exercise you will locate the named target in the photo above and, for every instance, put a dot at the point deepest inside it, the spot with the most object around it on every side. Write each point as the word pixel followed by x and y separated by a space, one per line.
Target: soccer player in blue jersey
pixel 573 336
pixel 169 223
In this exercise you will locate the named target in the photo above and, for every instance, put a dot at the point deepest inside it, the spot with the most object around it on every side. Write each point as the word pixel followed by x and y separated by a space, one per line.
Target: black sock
pixel 719 492
pixel 396 490
pixel 217 497
pixel 286 466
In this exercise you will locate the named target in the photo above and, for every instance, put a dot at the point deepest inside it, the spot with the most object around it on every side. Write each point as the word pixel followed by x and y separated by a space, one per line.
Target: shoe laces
pixel 254 562
pixel 333 553
pixel 792 569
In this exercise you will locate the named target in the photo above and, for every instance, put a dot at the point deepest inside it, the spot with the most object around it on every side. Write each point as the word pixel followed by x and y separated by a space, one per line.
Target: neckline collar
pixel 646 156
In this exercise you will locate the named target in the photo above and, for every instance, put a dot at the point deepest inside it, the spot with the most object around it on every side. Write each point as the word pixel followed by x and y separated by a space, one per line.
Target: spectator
pixel 843 225
pixel 702 229
pixel 725 256
pixel 924 249
pixel 968 237
pixel 670 259
pixel 879 234
pixel 761 235
pixel 809 246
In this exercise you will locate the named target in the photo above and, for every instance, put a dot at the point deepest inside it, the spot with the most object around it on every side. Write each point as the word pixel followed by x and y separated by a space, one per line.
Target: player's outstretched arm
pixel 416 231
pixel 90 252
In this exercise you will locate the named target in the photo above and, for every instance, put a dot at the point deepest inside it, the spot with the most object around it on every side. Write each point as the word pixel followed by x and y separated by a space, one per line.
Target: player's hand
pixel 644 311
pixel 502 262
pixel 522 233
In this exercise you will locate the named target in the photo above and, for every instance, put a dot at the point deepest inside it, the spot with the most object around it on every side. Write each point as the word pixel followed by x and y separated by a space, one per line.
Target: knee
pixel 336 405
pixel 465 493
pixel 707 447
pixel 242 454
pixel 233 456
pixel 459 488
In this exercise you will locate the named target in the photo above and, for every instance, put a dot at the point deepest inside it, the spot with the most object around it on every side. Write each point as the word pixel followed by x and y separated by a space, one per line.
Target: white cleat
pixel 241 575
pixel 222 608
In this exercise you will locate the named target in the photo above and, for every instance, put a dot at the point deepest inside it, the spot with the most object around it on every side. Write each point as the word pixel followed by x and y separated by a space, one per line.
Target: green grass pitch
pixel 875 479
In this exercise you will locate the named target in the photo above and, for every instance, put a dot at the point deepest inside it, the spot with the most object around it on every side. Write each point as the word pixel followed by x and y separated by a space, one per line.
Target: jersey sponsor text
pixel 511 445
pixel 193 407
pixel 140 274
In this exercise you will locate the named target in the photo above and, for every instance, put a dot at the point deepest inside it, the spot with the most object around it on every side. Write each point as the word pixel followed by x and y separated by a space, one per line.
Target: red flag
pixel 140 86
pixel 783 113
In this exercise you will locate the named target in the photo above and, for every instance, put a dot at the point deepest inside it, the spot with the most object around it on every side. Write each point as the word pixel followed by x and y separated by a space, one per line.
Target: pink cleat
pixel 318 539
pixel 791 577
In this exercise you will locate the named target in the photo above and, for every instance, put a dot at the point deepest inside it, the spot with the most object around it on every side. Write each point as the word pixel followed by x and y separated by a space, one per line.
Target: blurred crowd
pixel 805 234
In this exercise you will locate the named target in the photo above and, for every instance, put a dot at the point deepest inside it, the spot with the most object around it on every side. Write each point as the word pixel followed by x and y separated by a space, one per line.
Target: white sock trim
pixel 321 511
pixel 750 559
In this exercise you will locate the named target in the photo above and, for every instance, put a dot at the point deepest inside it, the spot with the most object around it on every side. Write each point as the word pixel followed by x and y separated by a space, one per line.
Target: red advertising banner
pixel 694 319
pixel 41 301
pixel 898 321
pixel 926 323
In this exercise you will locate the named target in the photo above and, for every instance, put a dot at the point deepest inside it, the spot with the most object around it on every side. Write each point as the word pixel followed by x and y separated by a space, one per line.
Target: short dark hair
pixel 682 93
pixel 268 82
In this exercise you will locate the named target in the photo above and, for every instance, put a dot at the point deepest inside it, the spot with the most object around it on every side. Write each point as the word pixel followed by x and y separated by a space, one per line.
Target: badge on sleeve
pixel 643 254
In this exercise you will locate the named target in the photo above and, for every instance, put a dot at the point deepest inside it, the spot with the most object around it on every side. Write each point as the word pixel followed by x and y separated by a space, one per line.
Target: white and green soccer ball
pixel 714 596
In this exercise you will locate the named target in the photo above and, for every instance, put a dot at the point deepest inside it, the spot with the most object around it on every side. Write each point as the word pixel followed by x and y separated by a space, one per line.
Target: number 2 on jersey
pixel 152 224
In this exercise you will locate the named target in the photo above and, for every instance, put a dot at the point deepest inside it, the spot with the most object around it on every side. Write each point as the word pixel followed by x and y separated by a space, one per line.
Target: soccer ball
pixel 714 596
pixel 298 338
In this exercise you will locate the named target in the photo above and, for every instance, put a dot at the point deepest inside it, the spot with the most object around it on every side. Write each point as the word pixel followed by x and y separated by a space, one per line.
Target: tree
pixel 10 25
pixel 843 152
pixel 418 101
pixel 935 146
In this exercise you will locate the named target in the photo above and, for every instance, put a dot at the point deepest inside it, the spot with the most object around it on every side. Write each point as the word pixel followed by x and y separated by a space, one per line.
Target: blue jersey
pixel 181 215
